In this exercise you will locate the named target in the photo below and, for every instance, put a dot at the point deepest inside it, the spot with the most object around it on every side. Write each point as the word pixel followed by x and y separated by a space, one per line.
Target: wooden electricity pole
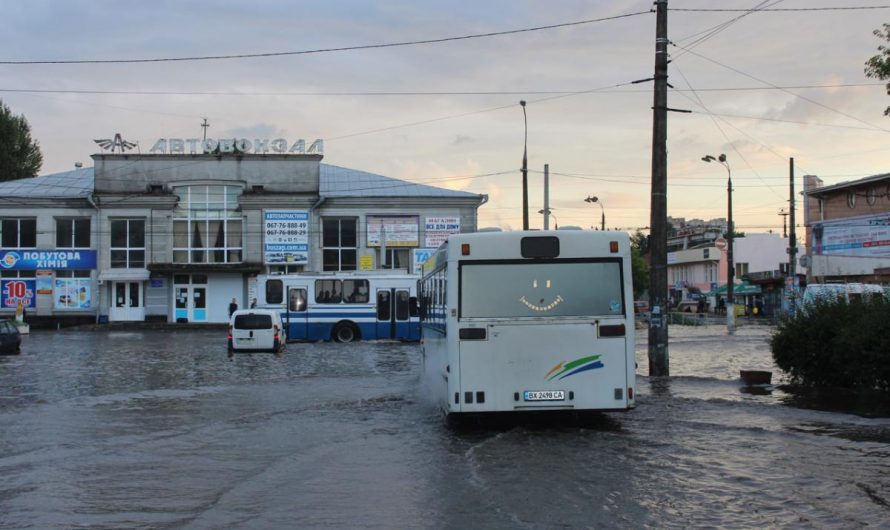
pixel 659 364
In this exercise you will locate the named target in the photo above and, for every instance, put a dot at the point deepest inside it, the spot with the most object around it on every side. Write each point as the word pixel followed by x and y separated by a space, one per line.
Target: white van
pixel 256 330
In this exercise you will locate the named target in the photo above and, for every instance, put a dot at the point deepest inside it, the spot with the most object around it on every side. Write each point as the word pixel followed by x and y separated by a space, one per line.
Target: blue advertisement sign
pixel 30 260
pixel 15 290
pixel 286 236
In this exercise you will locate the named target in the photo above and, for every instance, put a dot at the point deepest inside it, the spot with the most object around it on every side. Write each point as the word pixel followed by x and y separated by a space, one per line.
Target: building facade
pixel 848 230
pixel 176 237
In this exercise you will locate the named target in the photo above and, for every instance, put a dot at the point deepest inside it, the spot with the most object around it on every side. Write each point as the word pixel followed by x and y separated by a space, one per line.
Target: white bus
pixel 529 321
pixel 344 306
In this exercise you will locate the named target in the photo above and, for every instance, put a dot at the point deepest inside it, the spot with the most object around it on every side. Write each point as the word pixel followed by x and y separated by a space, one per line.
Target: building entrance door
pixel 128 302
pixel 190 303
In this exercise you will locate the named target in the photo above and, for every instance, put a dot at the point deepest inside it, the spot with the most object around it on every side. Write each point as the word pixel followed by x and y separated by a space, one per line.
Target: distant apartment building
pixel 848 230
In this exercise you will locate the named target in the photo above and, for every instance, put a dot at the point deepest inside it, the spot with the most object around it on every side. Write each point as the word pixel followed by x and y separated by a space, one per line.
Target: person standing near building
pixel 233 307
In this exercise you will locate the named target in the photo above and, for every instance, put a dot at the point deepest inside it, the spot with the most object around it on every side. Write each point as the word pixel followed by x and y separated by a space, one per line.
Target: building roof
pixel 822 190
pixel 74 184
pixel 334 181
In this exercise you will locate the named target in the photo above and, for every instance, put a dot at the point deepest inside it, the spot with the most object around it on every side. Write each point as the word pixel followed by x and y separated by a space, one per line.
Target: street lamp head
pixel 591 199
pixel 708 158
pixel 722 157
pixel 522 102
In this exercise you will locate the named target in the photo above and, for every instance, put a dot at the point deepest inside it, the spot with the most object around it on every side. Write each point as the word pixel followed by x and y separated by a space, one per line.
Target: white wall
pixel 221 289
pixel 762 252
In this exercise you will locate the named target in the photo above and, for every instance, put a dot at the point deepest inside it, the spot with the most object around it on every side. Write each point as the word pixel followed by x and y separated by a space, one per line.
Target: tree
pixel 19 154
pixel 639 247
pixel 878 67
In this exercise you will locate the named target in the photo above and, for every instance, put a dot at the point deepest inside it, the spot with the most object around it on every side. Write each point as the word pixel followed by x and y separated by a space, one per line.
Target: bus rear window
pixel 253 321
pixel 553 289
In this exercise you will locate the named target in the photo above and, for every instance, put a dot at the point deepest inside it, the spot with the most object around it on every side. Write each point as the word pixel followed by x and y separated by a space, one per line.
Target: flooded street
pixel 161 430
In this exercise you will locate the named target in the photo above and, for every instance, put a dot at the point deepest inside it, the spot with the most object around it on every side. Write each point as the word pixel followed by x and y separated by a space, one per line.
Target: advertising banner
pixel 286 237
pixel 15 290
pixel 71 293
pixel 420 257
pixel 401 230
pixel 861 236
pixel 44 282
pixel 437 230
pixel 29 260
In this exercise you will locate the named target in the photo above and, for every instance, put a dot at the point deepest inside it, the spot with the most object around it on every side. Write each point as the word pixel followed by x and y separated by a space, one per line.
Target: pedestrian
pixel 253 303
pixel 233 307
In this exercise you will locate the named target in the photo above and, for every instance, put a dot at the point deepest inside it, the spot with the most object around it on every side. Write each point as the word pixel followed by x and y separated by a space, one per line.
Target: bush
pixel 836 344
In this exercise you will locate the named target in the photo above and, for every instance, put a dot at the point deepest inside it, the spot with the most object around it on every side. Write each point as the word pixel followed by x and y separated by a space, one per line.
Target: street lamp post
pixel 598 201
pixel 730 232
pixel 524 169
pixel 549 213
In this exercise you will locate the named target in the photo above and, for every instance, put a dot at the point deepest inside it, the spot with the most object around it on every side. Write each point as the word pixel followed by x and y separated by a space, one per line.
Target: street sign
pixel 720 243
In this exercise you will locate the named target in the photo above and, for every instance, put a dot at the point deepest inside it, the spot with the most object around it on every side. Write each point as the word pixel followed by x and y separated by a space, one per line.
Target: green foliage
pixel 639 247
pixel 19 155
pixel 640 272
pixel 878 67
pixel 837 344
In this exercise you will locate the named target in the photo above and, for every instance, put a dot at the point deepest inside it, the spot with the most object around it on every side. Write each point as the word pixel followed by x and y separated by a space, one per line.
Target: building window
pixel 741 269
pixel 73 233
pixel 127 243
pixel 339 243
pixel 18 233
pixel 207 225
pixel 871 196
pixel 851 199
pixel 396 258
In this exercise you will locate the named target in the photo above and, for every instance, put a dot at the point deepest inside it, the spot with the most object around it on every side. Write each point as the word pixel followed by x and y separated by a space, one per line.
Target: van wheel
pixel 345 332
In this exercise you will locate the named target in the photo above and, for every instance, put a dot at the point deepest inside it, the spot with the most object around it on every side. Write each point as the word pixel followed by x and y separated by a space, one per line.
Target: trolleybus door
pixel 386 324
pixel 297 313
pixel 393 314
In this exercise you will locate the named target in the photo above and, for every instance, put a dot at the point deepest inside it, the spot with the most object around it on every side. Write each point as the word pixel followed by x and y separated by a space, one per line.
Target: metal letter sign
pixel 286 237
pixel 261 146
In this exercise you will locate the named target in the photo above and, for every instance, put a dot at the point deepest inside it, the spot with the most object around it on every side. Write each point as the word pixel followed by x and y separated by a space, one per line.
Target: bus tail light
pixel 464 249
pixel 276 332
pixel 615 330
pixel 630 393
pixel 230 332
pixel 613 246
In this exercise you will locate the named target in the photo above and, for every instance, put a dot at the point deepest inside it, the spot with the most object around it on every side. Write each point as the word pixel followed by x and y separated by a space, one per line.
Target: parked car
pixel 641 307
pixel 256 330
pixel 10 338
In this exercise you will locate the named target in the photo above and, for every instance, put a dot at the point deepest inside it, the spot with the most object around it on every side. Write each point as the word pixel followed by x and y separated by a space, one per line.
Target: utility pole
pixel 524 170
pixel 659 364
pixel 792 238
pixel 204 126
pixel 546 196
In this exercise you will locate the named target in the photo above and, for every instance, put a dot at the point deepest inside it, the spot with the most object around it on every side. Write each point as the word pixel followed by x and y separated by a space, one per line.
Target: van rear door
pixel 252 331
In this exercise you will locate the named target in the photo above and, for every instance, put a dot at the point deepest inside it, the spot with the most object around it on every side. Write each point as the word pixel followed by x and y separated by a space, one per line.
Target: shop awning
pixel 124 275
pixel 741 289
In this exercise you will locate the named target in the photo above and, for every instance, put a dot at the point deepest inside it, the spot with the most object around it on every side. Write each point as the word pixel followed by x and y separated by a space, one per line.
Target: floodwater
pixel 161 430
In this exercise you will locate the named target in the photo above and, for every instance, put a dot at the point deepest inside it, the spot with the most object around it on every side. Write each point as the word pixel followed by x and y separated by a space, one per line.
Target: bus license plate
pixel 544 395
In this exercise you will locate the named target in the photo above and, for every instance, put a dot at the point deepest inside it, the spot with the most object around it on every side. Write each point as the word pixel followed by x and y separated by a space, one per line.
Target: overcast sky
pixel 596 136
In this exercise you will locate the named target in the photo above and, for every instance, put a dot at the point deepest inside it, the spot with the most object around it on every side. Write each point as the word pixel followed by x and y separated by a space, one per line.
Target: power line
pixel 814 102
pixel 786 9
pixel 328 50
pixel 396 93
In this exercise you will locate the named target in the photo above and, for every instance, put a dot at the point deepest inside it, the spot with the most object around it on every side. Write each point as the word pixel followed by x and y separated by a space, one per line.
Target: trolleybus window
pixel 383 306
pixel 297 301
pixel 355 291
pixel 553 289
pixel 401 305
pixel 274 292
